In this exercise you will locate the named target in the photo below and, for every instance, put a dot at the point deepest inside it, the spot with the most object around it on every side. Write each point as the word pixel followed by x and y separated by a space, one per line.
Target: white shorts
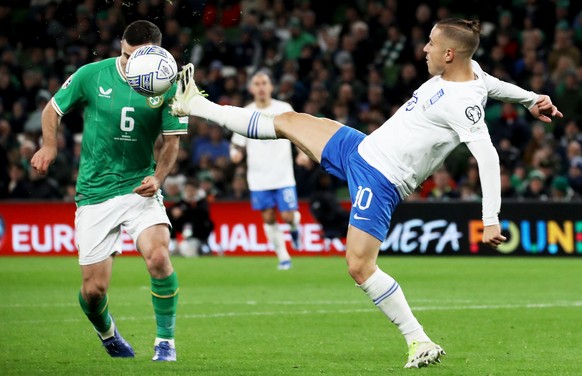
pixel 98 227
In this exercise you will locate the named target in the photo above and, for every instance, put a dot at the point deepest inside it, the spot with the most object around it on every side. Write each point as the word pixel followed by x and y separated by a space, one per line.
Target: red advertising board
pixel 47 229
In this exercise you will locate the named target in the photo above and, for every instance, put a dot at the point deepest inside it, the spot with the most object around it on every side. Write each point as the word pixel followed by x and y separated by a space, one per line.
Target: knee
pixel 360 269
pixel 287 216
pixel 158 263
pixel 94 291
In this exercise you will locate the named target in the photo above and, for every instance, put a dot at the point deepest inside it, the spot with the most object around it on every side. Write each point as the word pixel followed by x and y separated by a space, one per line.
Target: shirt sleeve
pixel 506 92
pixel 467 119
pixel 489 174
pixel 71 93
pixel 238 140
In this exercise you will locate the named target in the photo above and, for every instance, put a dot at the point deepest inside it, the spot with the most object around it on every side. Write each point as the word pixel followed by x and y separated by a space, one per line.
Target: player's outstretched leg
pixel 191 101
pixel 186 91
pixel 421 354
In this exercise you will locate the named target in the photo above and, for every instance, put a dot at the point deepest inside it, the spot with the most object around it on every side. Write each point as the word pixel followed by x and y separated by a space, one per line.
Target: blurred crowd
pixel 354 61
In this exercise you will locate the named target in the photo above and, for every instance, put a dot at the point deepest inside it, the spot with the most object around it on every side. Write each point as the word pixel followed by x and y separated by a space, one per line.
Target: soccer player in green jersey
pixel 119 184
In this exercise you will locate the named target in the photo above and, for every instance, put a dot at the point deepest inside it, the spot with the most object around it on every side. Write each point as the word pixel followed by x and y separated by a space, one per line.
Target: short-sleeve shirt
pixel 269 162
pixel 120 129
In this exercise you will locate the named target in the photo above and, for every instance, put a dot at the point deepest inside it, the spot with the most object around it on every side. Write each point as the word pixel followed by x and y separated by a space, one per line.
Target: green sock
pixel 165 300
pixel 97 314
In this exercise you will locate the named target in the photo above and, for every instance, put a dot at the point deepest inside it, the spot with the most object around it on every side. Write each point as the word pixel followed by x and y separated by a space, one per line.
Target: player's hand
pixel 492 236
pixel 149 186
pixel 43 158
pixel 544 108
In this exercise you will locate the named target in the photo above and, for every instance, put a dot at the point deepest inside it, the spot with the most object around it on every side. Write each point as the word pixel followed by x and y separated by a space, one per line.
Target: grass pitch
pixel 240 316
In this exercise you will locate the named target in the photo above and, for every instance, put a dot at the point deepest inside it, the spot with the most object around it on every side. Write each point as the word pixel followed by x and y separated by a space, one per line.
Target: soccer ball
pixel 151 70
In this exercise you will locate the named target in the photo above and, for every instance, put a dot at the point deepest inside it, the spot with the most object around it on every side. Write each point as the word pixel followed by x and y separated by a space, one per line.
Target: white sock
pixel 296 221
pixel 249 123
pixel 388 296
pixel 158 340
pixel 275 237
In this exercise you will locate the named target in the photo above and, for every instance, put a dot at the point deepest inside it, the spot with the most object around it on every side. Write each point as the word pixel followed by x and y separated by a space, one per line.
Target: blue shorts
pixel 284 198
pixel 373 197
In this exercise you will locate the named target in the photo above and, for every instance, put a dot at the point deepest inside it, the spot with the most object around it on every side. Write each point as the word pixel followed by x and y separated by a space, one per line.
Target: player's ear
pixel 449 55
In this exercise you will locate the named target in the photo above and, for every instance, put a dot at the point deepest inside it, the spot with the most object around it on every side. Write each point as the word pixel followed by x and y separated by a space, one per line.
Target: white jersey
pixel 269 162
pixel 441 114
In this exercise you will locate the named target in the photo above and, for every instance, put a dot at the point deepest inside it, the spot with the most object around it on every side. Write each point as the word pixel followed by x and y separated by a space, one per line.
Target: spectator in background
pixel 348 77
pixel 215 48
pixel 510 126
pixel 174 184
pixel 571 133
pixel 19 186
pixel 507 189
pixel 536 142
pixel 27 150
pixel 43 187
pixel 509 155
pixel 191 221
pixel 445 188
pixel 213 148
pixel 563 46
pixel 327 210
pixel 575 175
pixel 298 39
pixel 569 95
pixel 246 52
pixel 535 186
pixel 364 52
pixel 395 51
pixel 561 190
pixel 239 189
pixel 33 124
pixel 405 85
pixel 19 117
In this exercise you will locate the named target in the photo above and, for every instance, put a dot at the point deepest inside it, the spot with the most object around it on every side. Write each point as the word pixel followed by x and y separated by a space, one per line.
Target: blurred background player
pixel 270 172
pixel 119 185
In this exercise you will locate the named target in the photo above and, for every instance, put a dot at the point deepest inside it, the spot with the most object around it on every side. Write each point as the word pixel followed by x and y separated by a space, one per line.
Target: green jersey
pixel 120 128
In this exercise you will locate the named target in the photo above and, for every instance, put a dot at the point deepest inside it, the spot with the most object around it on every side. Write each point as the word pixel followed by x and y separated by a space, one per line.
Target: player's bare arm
pixel 166 159
pixel 44 157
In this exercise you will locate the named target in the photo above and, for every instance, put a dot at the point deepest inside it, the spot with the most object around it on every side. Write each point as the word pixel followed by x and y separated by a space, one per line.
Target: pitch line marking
pixel 575 304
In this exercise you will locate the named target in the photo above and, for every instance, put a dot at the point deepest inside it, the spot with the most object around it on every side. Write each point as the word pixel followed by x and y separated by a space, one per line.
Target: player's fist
pixel 42 159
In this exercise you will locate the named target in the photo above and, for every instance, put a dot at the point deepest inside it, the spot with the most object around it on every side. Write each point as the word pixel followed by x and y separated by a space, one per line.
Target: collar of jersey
pixel 119 69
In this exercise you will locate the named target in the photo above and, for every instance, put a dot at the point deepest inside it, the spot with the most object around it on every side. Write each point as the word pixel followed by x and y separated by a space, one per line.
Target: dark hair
pixel 142 32
pixel 465 32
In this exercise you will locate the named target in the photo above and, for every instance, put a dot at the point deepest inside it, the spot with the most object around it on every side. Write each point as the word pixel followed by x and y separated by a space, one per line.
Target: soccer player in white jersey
pixel 384 167
pixel 119 185
pixel 270 172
